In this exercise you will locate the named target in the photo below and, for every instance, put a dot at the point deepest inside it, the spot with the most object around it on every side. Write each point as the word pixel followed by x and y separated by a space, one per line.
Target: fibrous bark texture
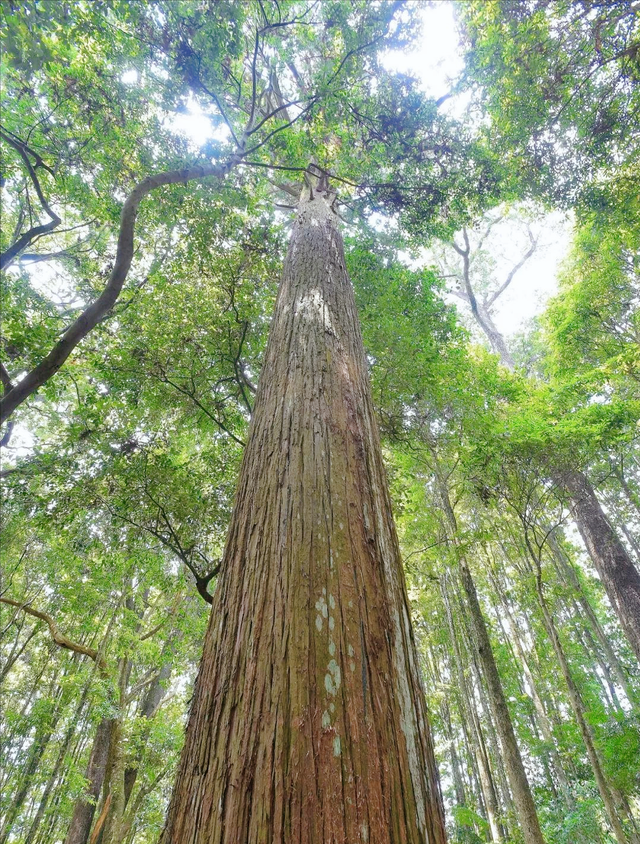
pixel 308 721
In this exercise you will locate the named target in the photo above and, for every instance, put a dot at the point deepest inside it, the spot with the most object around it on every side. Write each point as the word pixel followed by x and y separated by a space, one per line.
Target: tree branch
pixel 90 317
pixel 5 380
pixel 514 270
pixel 58 637
pixel 28 237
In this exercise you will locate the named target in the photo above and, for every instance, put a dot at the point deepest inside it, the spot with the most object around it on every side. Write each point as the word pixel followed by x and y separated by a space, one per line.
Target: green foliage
pixel 559 82
pixel 593 325
pixel 118 495
pixel 467 822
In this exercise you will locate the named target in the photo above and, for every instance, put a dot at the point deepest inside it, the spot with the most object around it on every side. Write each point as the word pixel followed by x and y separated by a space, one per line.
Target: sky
pixel 436 63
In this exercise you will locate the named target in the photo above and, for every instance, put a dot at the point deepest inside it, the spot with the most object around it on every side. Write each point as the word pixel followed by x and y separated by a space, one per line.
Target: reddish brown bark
pixel 308 721
pixel 619 576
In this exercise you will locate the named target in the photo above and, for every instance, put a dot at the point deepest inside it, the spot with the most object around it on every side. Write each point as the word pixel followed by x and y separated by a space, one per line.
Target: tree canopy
pixel 153 156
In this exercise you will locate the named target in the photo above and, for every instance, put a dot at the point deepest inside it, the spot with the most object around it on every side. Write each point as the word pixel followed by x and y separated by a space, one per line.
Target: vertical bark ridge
pixel 308 722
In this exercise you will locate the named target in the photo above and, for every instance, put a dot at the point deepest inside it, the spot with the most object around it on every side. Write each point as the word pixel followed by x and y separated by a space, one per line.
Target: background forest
pixel 130 360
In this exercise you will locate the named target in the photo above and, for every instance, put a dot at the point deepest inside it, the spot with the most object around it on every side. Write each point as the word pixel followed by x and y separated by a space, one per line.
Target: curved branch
pixel 25 240
pixel 201 581
pixel 92 315
pixel 21 149
pixel 36 231
pixel 514 270
pixel 58 637
pixel 465 254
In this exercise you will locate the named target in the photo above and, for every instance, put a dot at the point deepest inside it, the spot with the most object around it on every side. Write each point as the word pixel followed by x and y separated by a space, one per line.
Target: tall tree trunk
pixel 543 719
pixel 566 571
pixel 619 576
pixel 580 716
pixel 468 727
pixel 485 716
pixel 85 807
pixel 308 721
pixel 152 700
pixel 434 679
pixel 523 799
pixel 476 739
pixel 520 789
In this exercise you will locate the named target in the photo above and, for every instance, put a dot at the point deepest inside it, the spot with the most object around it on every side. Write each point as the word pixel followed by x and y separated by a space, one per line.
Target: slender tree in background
pixel 620 577
pixel 308 721
pixel 520 788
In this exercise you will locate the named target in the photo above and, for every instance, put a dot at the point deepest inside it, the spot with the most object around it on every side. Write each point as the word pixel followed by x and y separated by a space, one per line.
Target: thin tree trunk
pixel 74 721
pixel 114 788
pixel 543 718
pixel 84 808
pixel 496 339
pixel 468 728
pixel 619 576
pixel 16 653
pixel 485 715
pixel 520 789
pixel 152 700
pixel 631 540
pixel 476 739
pixel 566 570
pixel 458 784
pixel 576 702
pixel 579 714
pixel 308 721
pixel 36 752
pixel 631 495
pixel 549 758
pixel 434 678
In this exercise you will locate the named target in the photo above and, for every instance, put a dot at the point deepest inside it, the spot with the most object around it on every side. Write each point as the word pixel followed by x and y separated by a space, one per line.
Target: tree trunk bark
pixel 543 719
pixel 619 576
pixel 308 721
pixel 496 339
pixel 522 797
pixel 150 705
pixel 567 572
pixel 580 716
pixel 476 739
pixel 85 808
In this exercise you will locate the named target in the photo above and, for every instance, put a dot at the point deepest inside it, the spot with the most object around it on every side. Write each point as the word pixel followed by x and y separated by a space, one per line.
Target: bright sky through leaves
pixel 437 63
